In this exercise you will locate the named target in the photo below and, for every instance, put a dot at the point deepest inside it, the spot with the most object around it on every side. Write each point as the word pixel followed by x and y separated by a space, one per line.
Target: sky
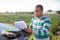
pixel 28 5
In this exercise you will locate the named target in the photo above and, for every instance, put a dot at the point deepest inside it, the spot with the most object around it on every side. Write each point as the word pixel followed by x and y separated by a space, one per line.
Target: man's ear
pixel 41 11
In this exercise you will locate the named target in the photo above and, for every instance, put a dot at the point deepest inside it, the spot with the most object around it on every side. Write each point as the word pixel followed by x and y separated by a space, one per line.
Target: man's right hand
pixel 28 30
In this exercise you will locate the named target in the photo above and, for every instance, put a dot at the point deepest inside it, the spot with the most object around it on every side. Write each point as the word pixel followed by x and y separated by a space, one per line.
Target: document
pixel 20 25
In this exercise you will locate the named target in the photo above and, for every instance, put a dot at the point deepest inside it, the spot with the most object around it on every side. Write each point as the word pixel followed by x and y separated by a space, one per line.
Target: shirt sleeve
pixel 45 30
pixel 31 24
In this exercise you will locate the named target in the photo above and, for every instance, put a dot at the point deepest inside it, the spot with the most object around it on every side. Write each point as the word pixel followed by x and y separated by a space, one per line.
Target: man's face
pixel 38 12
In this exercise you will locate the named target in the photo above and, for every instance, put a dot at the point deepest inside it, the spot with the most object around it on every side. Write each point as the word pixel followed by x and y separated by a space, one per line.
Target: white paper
pixel 21 25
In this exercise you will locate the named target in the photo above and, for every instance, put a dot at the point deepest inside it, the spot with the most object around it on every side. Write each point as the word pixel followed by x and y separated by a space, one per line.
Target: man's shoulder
pixel 45 17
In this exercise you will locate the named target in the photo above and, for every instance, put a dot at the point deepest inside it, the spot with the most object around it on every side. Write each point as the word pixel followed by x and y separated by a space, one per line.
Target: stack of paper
pixel 21 25
pixel 9 34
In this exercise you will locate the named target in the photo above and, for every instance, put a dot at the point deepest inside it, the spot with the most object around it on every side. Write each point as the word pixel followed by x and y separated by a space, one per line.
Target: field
pixel 55 22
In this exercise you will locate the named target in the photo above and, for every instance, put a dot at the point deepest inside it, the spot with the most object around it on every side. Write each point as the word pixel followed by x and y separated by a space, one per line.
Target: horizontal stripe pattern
pixel 40 28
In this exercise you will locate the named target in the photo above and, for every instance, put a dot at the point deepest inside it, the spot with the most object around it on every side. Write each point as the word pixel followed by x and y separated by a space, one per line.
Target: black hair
pixel 40 6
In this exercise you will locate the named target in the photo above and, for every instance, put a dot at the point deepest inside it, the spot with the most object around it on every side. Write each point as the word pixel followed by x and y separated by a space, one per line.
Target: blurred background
pixel 17 10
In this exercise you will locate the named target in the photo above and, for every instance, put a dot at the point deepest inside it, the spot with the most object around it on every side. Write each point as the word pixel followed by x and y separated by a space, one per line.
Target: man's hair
pixel 40 6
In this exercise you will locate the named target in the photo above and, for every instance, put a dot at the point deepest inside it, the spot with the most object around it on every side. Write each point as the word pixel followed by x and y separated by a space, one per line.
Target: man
pixel 40 25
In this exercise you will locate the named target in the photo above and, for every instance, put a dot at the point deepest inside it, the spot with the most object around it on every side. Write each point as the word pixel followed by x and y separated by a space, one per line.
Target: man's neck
pixel 40 16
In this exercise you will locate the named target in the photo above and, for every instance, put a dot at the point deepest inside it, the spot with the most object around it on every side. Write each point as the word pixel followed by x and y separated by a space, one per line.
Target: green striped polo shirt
pixel 40 27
